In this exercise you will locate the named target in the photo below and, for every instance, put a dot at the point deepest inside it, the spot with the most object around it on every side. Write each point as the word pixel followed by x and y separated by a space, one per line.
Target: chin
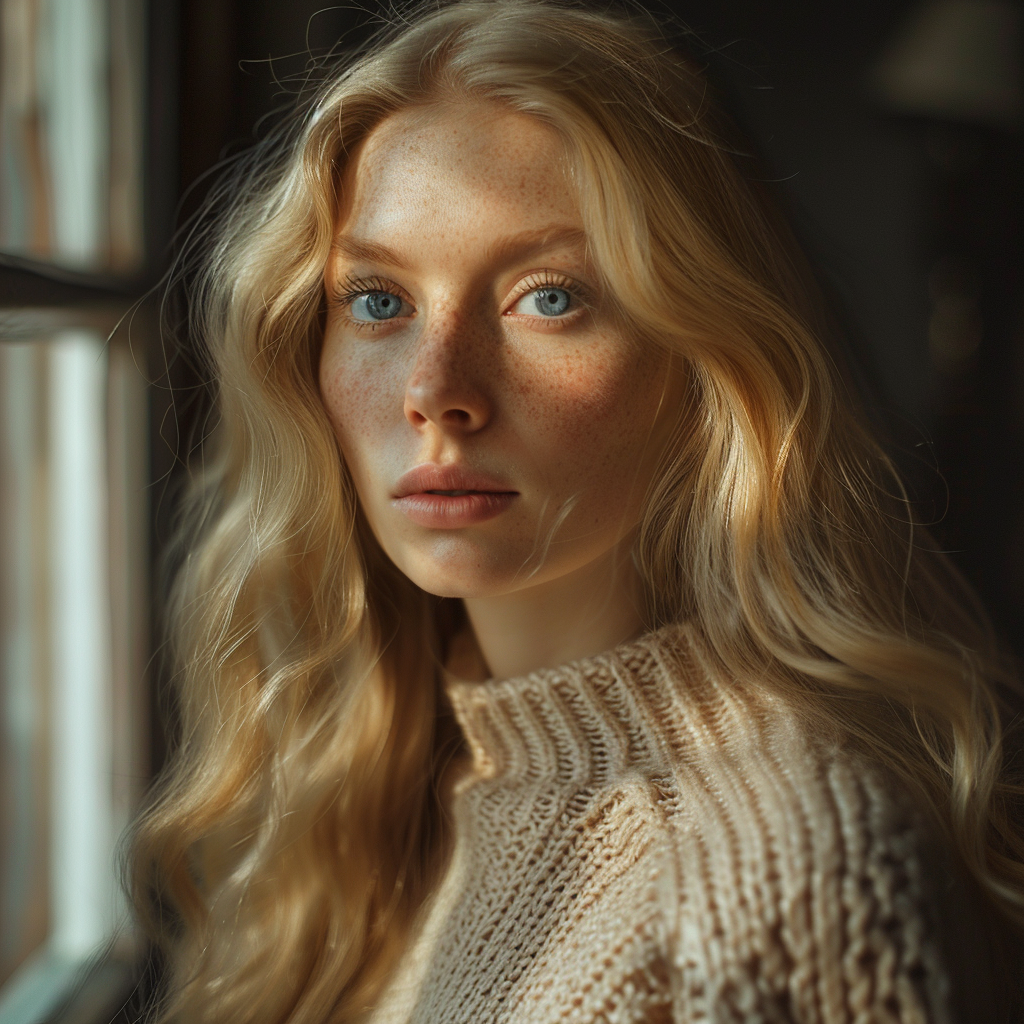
pixel 446 585
pixel 467 574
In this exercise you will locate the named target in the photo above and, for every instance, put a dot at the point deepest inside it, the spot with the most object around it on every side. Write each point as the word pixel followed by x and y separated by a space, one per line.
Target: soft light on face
pixel 467 349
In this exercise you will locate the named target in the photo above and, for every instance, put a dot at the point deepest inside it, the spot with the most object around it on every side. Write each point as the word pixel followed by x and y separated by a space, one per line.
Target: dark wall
pixel 914 224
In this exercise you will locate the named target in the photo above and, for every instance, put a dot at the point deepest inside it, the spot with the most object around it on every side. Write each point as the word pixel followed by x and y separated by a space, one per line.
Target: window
pixel 73 487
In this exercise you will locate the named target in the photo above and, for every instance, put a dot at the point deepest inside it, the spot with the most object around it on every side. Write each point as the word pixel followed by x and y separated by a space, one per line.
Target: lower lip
pixel 449 512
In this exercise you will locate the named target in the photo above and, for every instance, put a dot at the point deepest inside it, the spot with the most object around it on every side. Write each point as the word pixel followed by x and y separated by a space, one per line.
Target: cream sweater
pixel 636 842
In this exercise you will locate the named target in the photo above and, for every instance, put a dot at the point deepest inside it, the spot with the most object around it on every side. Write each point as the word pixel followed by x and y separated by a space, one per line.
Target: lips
pixel 449 497
pixel 432 477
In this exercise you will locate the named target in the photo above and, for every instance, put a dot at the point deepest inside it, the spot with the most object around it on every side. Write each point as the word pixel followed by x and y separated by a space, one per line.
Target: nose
pixel 446 384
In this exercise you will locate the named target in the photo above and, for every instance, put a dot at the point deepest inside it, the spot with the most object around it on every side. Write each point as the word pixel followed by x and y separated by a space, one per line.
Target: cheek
pixel 594 399
pixel 359 396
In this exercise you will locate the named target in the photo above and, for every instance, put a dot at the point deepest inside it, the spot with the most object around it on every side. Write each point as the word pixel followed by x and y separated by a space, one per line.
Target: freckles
pixel 573 397
pixel 358 395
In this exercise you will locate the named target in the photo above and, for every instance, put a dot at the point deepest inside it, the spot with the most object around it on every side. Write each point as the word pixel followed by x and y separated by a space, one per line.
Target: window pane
pixel 24 670
pixel 70 131
pixel 72 641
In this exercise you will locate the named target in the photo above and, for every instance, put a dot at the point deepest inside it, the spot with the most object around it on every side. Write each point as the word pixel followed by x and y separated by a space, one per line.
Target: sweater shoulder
pixel 754 748
pixel 840 898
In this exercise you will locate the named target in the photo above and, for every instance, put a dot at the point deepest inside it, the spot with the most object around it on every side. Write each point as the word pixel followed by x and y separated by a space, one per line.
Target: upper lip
pixel 432 477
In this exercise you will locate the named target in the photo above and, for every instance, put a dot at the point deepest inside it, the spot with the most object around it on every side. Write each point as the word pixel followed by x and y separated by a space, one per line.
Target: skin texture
pixel 472 205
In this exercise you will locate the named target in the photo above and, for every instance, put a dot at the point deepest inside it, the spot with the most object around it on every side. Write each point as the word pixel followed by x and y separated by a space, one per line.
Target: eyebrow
pixel 369 252
pixel 502 251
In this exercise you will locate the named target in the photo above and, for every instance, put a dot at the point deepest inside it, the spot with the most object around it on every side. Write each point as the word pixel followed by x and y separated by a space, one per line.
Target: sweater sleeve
pixel 911 931
pixel 823 898
pixel 873 927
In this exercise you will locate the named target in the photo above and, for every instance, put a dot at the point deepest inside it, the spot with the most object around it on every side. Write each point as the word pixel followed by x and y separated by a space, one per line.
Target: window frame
pixel 38 300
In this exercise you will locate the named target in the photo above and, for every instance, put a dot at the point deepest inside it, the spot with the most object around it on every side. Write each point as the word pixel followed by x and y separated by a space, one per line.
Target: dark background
pixel 913 222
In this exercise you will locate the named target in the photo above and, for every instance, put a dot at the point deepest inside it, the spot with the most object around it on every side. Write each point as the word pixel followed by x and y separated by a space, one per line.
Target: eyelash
pixel 353 288
pixel 548 279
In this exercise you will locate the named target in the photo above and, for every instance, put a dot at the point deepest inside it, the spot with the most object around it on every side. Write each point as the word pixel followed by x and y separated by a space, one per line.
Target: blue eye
pixel 551 301
pixel 373 306
pixel 547 301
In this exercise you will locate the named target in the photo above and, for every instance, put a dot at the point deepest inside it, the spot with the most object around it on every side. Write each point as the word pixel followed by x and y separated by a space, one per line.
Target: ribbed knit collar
pixel 583 721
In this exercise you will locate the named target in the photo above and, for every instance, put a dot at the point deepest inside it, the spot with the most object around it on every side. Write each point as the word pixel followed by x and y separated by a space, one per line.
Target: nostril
pixel 446 404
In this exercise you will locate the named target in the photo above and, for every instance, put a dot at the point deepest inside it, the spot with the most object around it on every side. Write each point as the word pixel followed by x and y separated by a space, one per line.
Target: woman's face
pixel 499 425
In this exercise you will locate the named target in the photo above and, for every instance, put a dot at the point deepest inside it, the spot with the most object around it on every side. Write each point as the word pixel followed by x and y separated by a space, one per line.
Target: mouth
pixel 450 481
pixel 447 497
pixel 452 510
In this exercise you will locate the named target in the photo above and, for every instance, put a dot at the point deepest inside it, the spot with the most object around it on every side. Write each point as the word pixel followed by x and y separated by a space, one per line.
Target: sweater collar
pixel 578 722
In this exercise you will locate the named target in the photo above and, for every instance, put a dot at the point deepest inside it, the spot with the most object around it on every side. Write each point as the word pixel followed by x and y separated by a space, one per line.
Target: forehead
pixel 445 160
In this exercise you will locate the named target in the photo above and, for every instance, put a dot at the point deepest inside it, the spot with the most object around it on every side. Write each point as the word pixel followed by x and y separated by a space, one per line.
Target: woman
pixel 556 644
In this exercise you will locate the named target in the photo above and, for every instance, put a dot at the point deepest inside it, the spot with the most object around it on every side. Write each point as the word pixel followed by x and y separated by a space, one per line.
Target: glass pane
pixel 25 669
pixel 70 131
pixel 72 638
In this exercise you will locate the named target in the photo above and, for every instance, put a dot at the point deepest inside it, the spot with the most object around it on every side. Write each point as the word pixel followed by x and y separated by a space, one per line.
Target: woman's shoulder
pixel 829 860
pixel 750 742
pixel 792 801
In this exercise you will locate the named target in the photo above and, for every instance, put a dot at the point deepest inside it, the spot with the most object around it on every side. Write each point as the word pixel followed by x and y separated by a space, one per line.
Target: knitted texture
pixel 636 842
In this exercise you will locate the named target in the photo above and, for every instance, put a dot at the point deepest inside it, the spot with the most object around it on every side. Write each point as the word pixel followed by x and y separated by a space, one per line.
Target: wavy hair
pixel 298 827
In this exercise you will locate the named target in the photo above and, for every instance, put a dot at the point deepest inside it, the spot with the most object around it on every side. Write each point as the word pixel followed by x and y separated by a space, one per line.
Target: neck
pixel 576 615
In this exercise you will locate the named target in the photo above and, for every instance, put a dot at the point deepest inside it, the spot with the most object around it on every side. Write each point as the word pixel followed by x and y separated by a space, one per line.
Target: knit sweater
pixel 636 841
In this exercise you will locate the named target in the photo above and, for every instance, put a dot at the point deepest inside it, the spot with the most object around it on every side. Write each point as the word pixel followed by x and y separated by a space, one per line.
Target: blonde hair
pixel 298 827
